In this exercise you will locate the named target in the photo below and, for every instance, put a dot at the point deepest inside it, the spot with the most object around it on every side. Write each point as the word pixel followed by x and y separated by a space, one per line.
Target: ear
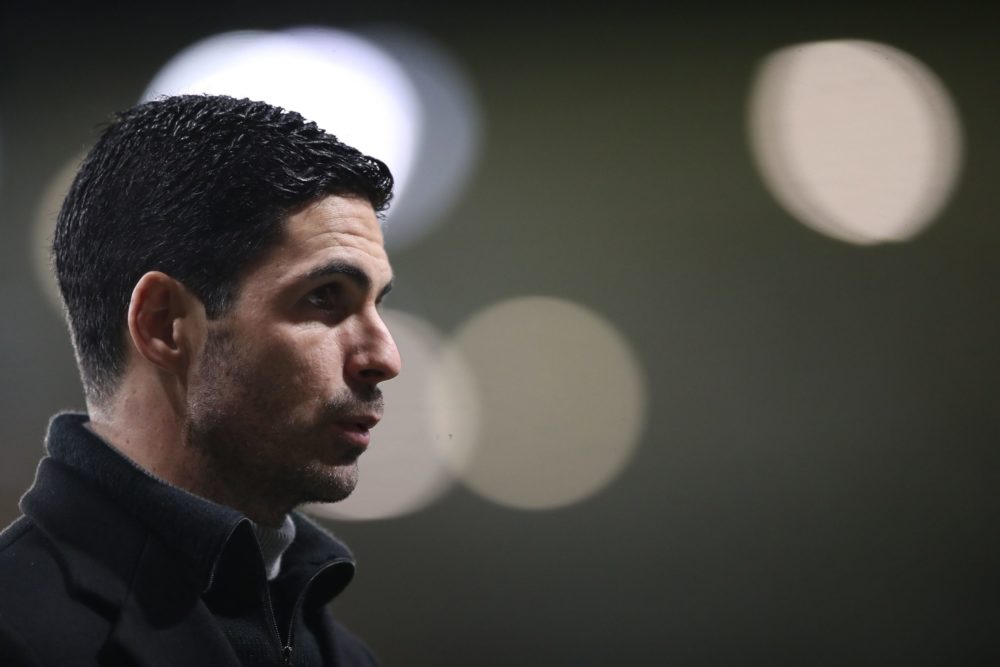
pixel 165 322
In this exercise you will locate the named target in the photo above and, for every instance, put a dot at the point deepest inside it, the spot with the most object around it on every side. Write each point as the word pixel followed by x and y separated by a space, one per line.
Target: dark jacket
pixel 109 566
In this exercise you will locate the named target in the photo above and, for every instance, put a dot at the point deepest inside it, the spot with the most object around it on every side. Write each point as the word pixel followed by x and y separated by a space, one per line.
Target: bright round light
pixel 402 471
pixel 449 145
pixel 345 83
pixel 856 139
pixel 562 400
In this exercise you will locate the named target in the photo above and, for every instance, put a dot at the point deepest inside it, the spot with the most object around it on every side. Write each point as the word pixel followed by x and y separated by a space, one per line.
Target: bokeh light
pixel 856 139
pixel 46 213
pixel 390 91
pixel 449 144
pixel 403 471
pixel 562 403
pixel 347 84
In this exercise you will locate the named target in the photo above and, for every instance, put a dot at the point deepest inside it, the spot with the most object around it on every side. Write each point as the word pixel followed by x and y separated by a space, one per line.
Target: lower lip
pixel 354 433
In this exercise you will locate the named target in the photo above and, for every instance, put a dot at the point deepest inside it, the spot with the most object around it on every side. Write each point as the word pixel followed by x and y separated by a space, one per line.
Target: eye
pixel 326 297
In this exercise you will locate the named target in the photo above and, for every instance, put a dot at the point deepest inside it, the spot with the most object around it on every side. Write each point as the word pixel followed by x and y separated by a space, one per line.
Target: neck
pixel 155 440
pixel 150 437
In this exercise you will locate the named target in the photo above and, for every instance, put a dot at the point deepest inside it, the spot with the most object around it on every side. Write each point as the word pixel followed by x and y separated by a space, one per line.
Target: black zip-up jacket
pixel 109 566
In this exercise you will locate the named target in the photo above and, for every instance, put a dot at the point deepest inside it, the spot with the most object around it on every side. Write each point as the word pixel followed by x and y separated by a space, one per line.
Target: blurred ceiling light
pixel 403 472
pixel 448 147
pixel 856 139
pixel 44 227
pixel 347 84
pixel 562 403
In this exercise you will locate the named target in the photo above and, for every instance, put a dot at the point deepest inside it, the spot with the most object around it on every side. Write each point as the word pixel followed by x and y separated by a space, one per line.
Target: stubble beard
pixel 249 451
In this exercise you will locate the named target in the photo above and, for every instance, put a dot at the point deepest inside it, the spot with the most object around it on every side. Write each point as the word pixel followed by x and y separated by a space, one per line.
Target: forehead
pixel 333 228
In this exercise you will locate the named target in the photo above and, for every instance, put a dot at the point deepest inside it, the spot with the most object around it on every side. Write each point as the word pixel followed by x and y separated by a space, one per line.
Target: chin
pixel 330 484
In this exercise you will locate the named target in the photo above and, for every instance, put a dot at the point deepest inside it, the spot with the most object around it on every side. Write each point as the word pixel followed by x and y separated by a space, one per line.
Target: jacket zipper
pixel 286 652
pixel 285 648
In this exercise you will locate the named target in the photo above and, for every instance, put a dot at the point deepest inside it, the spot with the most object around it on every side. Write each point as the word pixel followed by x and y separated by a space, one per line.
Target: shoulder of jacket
pixel 15 652
pixel 15 531
pixel 22 546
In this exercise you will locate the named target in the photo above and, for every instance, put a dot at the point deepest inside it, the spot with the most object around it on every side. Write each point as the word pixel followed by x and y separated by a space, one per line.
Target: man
pixel 221 264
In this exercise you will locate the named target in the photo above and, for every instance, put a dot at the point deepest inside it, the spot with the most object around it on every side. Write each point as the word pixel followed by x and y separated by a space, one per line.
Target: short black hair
pixel 195 186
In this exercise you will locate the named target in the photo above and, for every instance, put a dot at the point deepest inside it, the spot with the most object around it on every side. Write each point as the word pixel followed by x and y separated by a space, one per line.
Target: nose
pixel 376 357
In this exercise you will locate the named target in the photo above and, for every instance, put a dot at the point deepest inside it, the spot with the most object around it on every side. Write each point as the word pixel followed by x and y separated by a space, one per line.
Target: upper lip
pixel 366 421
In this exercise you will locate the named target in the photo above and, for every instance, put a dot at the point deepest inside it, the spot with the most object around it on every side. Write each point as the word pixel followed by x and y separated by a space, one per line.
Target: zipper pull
pixel 286 656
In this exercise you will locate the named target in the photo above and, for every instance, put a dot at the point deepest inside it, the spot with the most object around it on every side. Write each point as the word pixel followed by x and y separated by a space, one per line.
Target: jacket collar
pixel 197 530
pixel 111 564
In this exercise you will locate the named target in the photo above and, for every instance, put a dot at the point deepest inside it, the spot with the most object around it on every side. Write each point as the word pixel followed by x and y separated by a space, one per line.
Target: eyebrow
pixel 350 271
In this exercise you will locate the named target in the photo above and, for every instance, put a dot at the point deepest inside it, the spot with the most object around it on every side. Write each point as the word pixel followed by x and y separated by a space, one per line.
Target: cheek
pixel 307 363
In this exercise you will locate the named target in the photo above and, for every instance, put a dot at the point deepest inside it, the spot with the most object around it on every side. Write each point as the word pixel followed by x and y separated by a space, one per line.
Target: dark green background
pixel 817 483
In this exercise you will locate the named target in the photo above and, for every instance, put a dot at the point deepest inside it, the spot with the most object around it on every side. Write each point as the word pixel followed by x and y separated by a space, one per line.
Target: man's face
pixel 286 387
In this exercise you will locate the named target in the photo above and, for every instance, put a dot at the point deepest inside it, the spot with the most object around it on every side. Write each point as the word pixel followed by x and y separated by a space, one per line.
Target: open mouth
pixel 355 432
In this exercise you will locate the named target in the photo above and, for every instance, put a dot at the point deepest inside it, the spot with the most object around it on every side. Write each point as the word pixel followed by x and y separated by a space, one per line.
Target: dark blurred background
pixel 815 477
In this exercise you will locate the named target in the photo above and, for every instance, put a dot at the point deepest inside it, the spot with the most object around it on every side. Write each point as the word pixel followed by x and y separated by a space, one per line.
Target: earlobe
pixel 160 318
